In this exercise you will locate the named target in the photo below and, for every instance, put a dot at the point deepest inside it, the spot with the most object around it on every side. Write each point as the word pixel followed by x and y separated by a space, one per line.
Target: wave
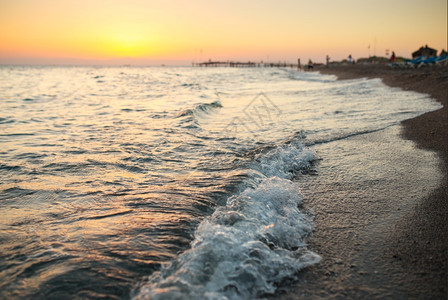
pixel 250 245
pixel 310 76
pixel 6 120
pixel 190 117
pixel 201 109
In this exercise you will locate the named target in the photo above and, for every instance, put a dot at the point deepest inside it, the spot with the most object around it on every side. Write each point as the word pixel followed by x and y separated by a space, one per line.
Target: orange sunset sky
pixel 182 31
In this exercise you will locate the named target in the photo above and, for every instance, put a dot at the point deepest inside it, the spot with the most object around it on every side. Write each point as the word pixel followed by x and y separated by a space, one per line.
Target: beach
pixel 126 181
pixel 383 236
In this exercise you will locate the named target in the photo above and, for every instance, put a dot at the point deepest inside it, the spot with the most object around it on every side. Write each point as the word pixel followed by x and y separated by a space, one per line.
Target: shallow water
pixel 108 174
pixel 367 185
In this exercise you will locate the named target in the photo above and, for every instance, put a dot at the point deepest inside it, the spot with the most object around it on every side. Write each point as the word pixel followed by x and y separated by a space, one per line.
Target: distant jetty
pixel 249 64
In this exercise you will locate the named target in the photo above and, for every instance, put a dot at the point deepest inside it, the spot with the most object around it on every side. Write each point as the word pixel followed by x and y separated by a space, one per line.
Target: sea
pixel 170 182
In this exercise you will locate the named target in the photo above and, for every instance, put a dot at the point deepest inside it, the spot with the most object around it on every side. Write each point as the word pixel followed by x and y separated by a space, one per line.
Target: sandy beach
pixel 383 236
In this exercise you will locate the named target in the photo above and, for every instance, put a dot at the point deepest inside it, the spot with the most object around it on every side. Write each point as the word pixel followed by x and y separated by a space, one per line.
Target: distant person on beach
pixel 392 58
pixel 328 60
pixel 350 59
pixel 310 64
pixel 299 66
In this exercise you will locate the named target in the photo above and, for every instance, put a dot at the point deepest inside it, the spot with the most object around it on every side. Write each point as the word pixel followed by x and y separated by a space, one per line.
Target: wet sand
pixel 382 214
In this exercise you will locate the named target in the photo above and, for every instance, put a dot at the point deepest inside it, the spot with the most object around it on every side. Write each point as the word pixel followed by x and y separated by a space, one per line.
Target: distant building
pixel 424 51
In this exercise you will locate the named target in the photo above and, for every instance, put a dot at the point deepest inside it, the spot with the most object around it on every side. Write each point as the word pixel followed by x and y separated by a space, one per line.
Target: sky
pixel 182 31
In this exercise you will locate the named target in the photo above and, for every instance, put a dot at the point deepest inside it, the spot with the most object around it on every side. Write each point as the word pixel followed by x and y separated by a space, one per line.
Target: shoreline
pixel 427 250
pixel 384 237
pixel 428 80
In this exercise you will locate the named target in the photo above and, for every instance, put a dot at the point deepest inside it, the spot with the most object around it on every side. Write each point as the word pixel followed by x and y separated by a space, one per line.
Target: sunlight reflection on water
pixel 106 172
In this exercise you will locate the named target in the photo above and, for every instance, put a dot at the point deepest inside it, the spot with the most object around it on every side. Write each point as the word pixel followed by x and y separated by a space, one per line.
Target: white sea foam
pixel 248 246
pixel 285 161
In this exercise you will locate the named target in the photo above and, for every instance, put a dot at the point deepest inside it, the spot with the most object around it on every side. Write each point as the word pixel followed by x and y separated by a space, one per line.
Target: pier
pixel 249 64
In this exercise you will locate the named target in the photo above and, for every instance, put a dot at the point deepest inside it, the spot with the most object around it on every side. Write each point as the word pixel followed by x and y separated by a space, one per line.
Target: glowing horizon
pixel 142 32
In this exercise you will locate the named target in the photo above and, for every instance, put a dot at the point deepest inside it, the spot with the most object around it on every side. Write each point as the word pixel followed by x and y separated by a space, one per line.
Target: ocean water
pixel 169 183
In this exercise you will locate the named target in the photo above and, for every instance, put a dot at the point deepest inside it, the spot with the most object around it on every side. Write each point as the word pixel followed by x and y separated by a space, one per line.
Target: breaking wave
pixel 250 245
